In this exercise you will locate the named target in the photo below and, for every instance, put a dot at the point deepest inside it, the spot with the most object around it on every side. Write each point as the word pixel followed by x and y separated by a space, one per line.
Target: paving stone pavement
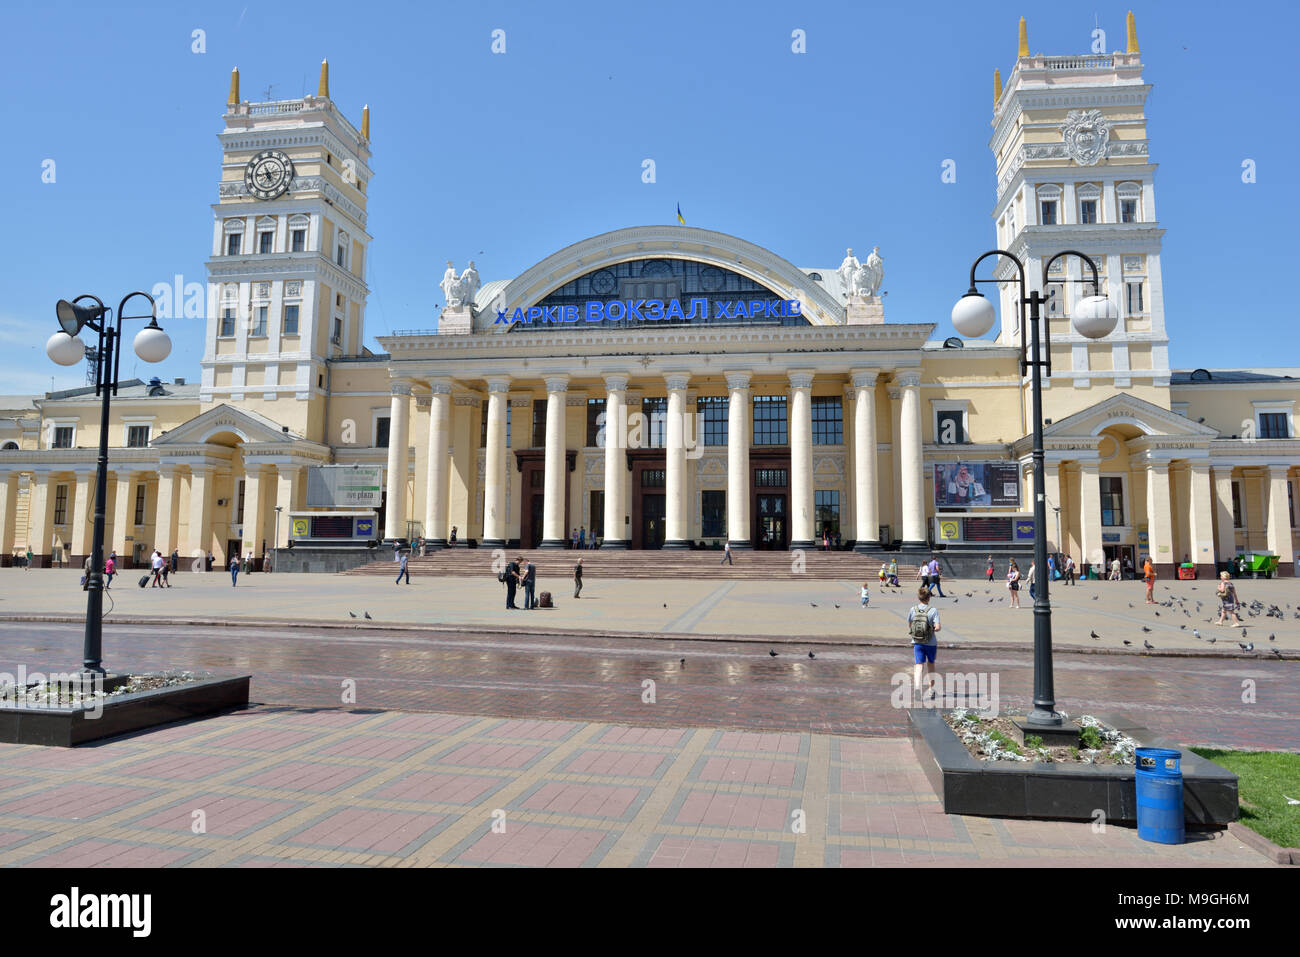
pixel 289 787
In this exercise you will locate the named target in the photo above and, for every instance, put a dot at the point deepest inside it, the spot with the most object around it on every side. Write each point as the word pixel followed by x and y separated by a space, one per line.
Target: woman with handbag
pixel 1013 583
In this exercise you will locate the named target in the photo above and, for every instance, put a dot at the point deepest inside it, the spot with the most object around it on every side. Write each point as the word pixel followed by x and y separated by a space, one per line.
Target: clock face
pixel 268 174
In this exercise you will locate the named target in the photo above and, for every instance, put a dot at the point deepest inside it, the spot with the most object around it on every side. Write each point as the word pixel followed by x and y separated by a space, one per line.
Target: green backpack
pixel 921 628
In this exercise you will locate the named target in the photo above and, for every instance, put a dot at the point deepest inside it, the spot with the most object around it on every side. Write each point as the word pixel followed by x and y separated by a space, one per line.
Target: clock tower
pixel 286 279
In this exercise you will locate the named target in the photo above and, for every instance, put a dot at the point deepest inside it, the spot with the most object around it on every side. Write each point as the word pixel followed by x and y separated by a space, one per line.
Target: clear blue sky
pixel 520 154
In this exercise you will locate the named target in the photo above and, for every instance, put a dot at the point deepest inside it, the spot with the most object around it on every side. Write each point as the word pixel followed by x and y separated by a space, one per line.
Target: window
pixel 1088 211
pixel 655 413
pixel 265 242
pixel 653 478
pixel 61 437
pixel 950 427
pixel 1048 212
pixel 381 431
pixel 1133 296
pixel 291 319
pixel 539 423
pixel 233 241
pixel 140 491
pixel 714 408
pixel 482 428
pixel 770 424
pixel 713 514
pixel 239 503
pixel 338 331
pixel 137 436
pixel 771 478
pixel 227 322
pixel 827 420
pixel 1237 510
pixel 61 505
pixel 1128 210
pixel 1112 501
pixel 259 322
pixel 338 257
pixel 298 240
pixel 594 409
pixel 1274 425
pixel 826 508
pixel 1055 307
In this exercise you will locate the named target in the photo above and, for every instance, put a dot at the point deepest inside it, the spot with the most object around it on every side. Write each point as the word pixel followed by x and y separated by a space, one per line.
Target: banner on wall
pixel 345 486
pixel 976 485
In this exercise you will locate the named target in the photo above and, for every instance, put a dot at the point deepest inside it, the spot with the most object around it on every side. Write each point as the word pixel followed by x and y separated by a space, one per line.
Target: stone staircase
pixel 609 563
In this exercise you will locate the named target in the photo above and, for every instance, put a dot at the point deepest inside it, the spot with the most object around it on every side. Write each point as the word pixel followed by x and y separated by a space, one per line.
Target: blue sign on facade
pixel 1024 529
pixel 668 310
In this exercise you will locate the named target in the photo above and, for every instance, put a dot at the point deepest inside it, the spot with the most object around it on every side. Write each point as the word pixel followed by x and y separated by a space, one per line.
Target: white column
pixel 123 507
pixel 399 427
pixel 1160 542
pixel 40 513
pixel 553 530
pixel 494 466
pixel 1090 516
pixel 738 459
pixel 801 474
pixel 1226 538
pixel 615 461
pixel 675 456
pixel 866 499
pixel 8 513
pixel 910 466
pixel 286 500
pixel 254 506
pixel 1279 519
pixel 1201 512
pixel 436 488
pixel 165 517
pixel 199 532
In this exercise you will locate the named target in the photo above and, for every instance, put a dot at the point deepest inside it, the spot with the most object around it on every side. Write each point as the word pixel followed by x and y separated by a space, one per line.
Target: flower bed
pixel 47 693
pixel 997 739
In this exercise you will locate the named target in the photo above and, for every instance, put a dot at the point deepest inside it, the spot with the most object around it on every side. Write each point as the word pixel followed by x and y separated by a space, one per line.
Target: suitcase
pixel 144 580
pixel 544 601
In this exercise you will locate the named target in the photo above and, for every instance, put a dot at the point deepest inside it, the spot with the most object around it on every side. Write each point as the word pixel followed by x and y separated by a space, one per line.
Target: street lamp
pixel 1094 318
pixel 66 348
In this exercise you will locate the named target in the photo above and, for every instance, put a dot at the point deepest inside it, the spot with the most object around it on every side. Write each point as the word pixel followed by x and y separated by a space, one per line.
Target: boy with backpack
pixel 923 625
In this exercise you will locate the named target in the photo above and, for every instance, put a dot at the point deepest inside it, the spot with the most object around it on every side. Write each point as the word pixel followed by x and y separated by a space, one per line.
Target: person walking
pixel 923 625
pixel 1029 579
pixel 30 556
pixel 234 570
pixel 1128 569
pixel 530 585
pixel 1013 583
pixel 176 560
pixel 573 538
pixel 577 579
pixel 166 567
pixel 403 569
pixel 156 563
pixel 884 575
pixel 726 553
pixel 1069 569
pixel 1114 569
pixel 893 573
pixel 511 579
pixel 110 569
pixel 452 539
pixel 923 574
pixel 866 592
pixel 935 575
pixel 1149 576
pixel 826 539
pixel 1227 593
pixel 582 537
pixel 989 569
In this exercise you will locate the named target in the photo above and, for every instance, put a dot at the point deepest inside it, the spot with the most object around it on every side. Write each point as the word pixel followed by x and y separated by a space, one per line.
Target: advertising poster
pixel 976 485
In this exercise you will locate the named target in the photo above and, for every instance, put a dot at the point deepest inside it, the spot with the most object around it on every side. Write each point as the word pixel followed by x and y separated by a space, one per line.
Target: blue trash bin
pixel 1159 779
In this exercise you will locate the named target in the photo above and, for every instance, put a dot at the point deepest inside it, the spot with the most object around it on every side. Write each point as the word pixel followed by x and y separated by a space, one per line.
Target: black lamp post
pixel 1094 318
pixel 152 345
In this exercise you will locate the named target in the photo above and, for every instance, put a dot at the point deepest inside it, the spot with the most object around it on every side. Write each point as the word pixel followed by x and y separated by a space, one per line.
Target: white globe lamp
pixel 973 315
pixel 152 344
pixel 1095 317
pixel 64 349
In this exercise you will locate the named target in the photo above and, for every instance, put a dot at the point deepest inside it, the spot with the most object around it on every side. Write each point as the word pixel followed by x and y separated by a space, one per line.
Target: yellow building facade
pixel 668 386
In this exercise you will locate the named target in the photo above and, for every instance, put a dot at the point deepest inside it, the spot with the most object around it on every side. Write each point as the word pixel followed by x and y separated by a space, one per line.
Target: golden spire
pixel 365 122
pixel 1024 39
pixel 1132 34
pixel 997 86
pixel 324 88
pixel 233 99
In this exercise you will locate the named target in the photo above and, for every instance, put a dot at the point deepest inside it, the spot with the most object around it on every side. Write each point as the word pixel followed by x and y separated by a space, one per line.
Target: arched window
pixel 9 446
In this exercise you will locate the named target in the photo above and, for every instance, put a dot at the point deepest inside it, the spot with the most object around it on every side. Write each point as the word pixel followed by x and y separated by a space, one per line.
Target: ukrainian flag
pixel 680 219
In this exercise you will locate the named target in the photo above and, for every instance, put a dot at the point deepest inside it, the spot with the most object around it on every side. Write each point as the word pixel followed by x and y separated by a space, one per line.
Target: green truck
pixel 1255 564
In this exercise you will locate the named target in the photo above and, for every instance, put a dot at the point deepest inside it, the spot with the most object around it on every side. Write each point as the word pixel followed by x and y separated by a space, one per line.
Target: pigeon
pixel 353 614
pixel 367 614
pixel 1157 614
pixel 954 601
pixel 1212 639
pixel 813 603
pixel 1127 642
pixel 1093 634
pixel 1195 633
pixel 1147 645
pixel 772 653
pixel 1276 653
pixel 990 601
pixel 1246 647
pixel 1243 632
pixel 968 594
pixel 1130 604
pixel 665 604
pixel 1094 597
pixel 1145 628
pixel 1272 637
pixel 811 655
pixel 837 604
pixel 1183 627
pixel 682 662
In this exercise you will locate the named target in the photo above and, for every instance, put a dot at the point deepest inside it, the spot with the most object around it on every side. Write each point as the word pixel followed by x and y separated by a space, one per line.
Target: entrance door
pixel 1122 552
pixel 535 519
pixel 652 520
pixel 771 521
pixel 233 550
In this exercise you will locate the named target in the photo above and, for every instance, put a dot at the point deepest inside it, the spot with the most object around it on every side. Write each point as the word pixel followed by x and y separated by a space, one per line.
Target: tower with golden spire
pixel 286 277
pixel 1073 172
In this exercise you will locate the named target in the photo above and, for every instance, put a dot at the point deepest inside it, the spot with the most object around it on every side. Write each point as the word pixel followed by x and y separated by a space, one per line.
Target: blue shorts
pixel 922 653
